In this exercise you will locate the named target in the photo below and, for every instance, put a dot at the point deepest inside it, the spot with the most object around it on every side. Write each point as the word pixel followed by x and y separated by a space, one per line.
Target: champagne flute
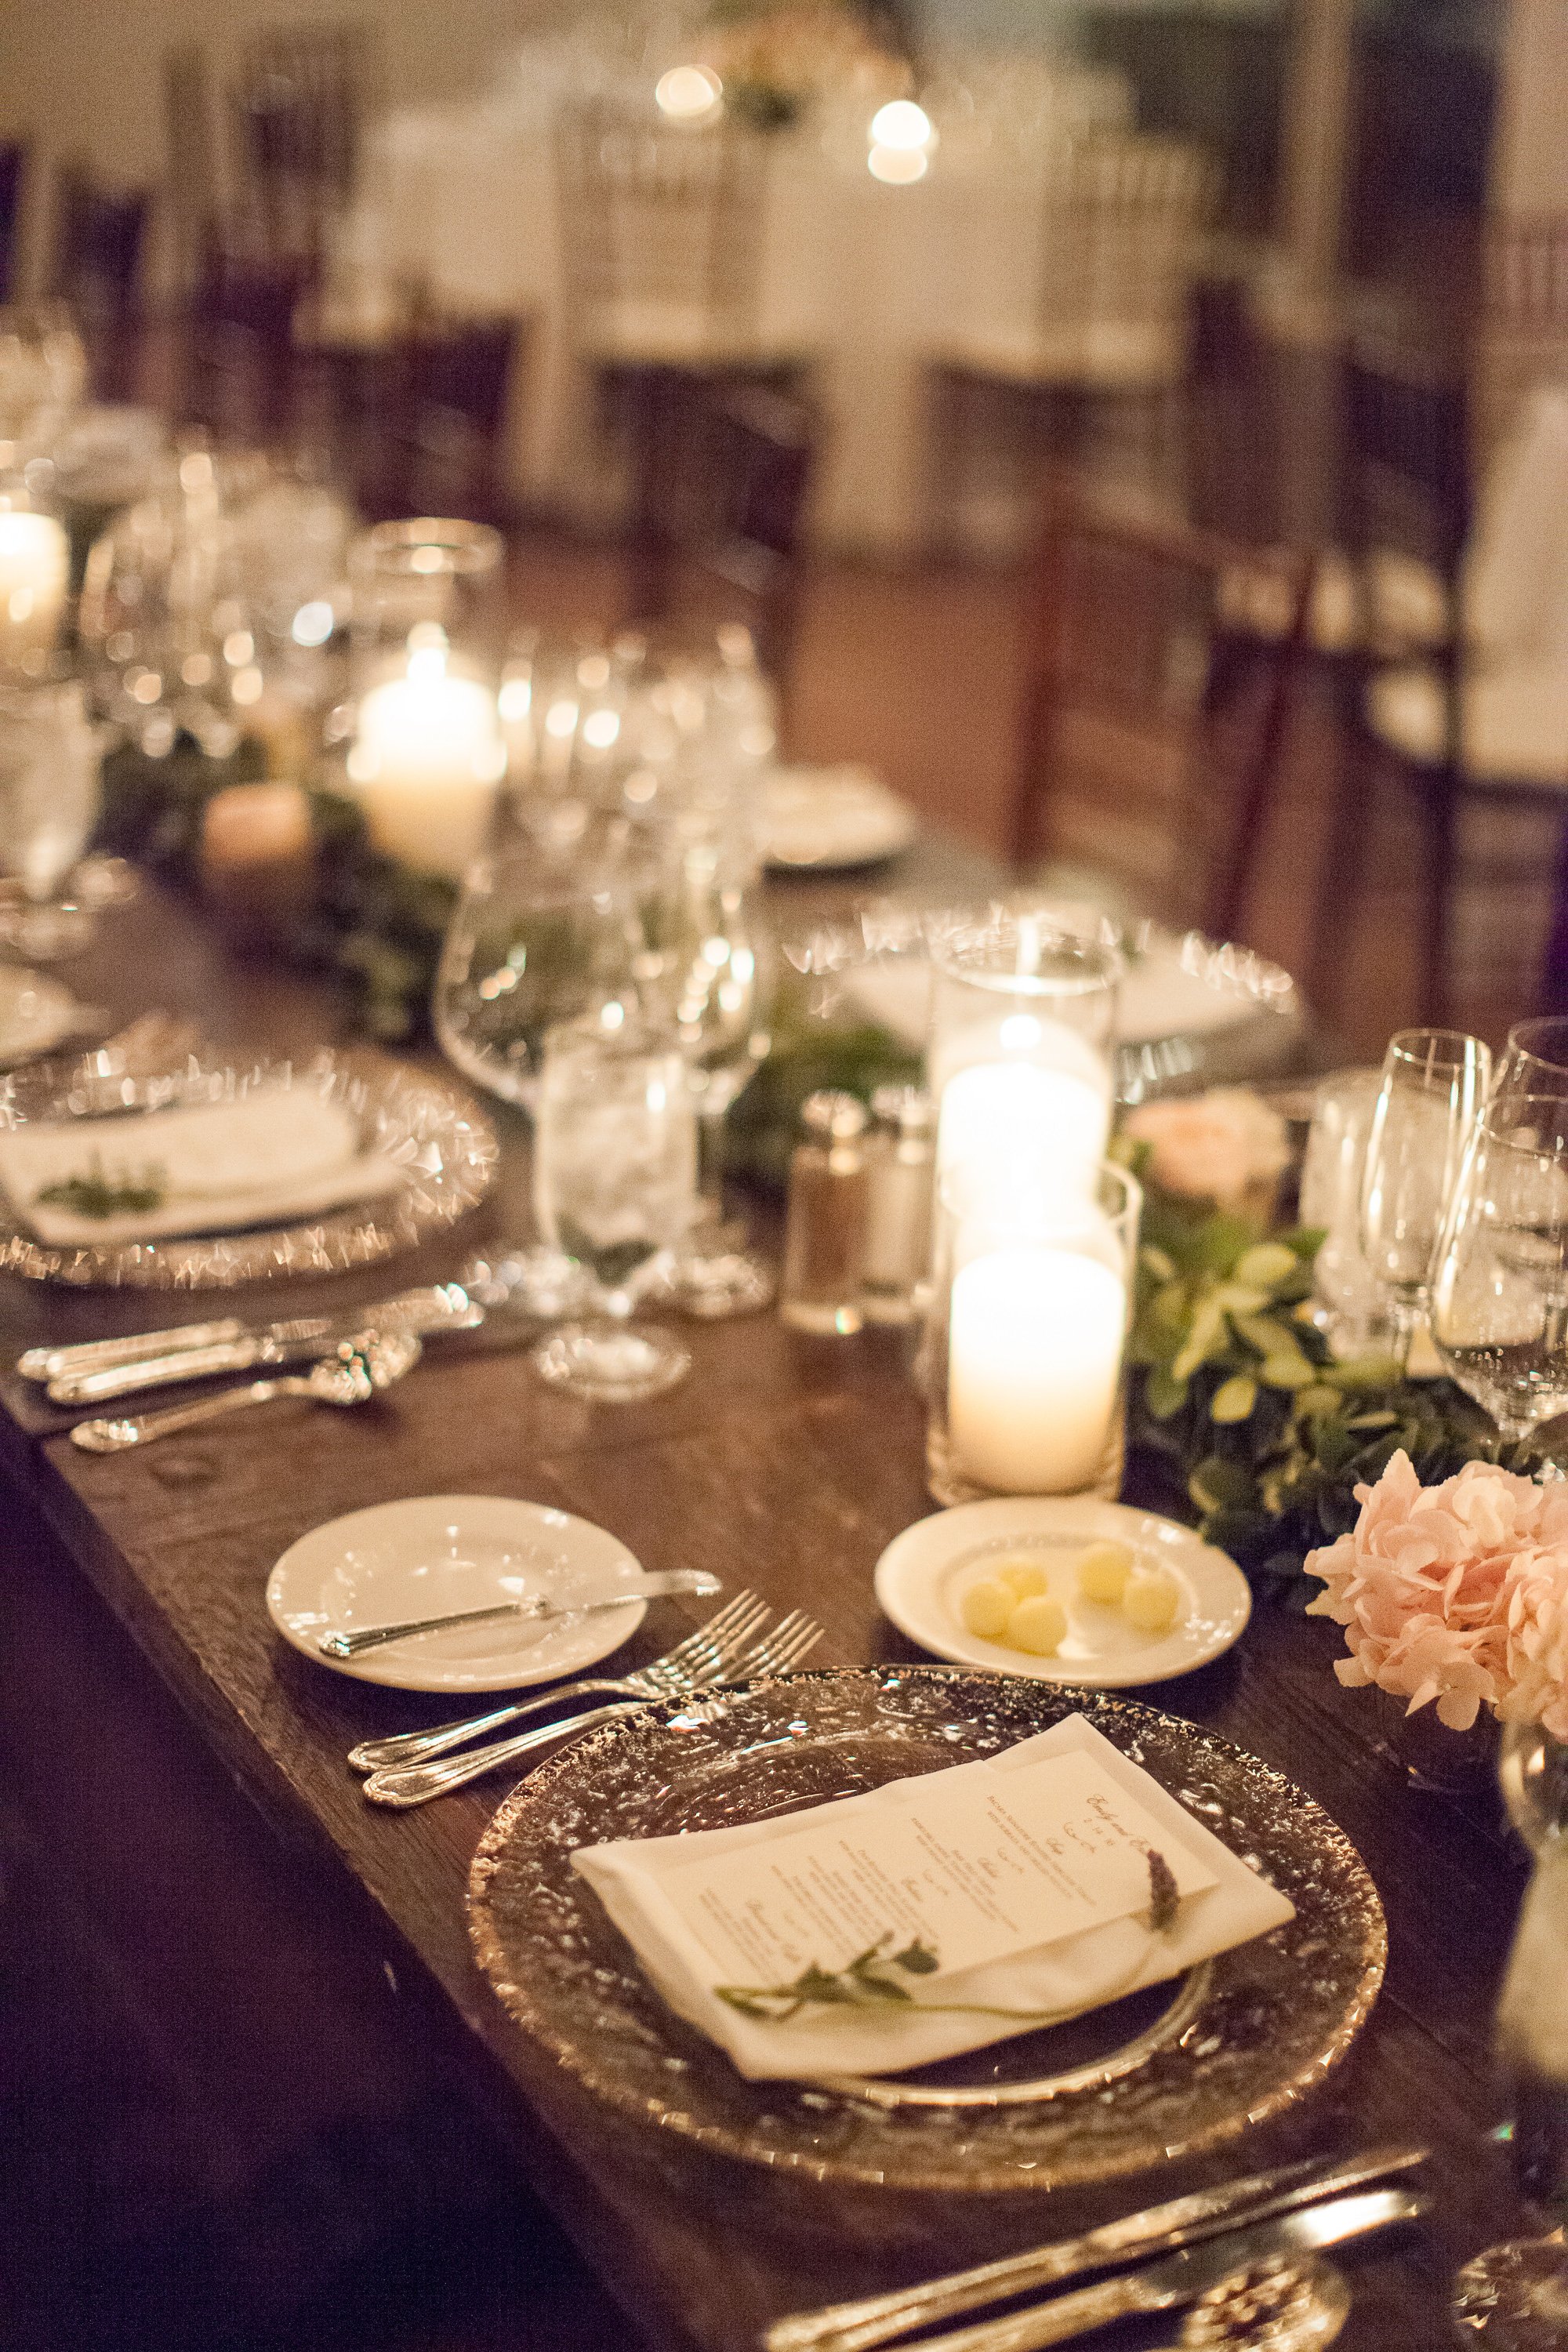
pixel 1434 1084
pixel 1514 2296
pixel 1499 1289
pixel 1534 1061
pixel 615 1187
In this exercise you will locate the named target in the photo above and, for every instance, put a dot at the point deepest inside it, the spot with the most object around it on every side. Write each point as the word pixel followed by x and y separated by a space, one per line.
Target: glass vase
pixel 1024 1358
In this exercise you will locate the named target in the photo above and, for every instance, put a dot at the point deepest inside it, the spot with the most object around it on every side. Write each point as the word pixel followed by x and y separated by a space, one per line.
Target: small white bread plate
pixel 442 1552
pixel 924 1573
pixel 828 817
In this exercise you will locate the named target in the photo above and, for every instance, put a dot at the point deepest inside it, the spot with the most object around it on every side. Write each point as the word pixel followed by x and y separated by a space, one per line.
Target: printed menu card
pixel 934 1915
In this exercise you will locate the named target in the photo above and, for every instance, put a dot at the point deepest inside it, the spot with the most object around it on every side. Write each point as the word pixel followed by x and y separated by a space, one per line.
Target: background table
pixel 331 1935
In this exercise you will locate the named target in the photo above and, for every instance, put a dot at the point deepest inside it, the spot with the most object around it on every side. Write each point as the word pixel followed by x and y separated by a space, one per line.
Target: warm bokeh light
pixel 688 93
pixel 897 166
pixel 903 125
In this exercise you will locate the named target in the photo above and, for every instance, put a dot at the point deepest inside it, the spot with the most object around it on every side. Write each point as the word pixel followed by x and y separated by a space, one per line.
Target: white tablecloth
pixel 863 277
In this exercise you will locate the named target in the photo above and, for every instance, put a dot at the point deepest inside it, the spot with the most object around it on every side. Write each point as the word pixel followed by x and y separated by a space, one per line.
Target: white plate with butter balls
pixel 926 1577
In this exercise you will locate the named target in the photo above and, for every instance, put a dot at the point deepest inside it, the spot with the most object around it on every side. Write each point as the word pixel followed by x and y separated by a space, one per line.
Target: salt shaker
pixel 898 1233
pixel 824 1226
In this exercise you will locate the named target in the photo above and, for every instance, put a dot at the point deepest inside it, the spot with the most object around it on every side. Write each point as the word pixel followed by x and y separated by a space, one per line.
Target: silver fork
pixel 785 1647
pixel 697 1660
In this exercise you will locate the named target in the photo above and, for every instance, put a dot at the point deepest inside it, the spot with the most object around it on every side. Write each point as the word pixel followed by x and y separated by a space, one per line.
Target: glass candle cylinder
pixel 428 753
pixel 1023 1023
pixel 35 574
pixel 1024 1357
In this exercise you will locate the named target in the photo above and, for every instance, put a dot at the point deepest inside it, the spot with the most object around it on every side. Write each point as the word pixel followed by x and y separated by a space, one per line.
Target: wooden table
pixel 316 1947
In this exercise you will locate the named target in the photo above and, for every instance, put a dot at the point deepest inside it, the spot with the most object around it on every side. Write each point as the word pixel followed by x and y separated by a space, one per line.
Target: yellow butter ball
pixel 1024 1578
pixel 1103 1571
pixel 1038 1625
pixel 1151 1599
pixel 986 1608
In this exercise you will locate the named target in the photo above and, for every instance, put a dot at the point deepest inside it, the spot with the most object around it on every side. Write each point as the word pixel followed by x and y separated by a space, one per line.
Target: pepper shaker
pixel 899 1215
pixel 826 1220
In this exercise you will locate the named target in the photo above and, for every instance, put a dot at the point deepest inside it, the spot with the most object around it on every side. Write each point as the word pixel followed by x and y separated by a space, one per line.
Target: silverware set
pixel 735 1646
pixel 1240 2259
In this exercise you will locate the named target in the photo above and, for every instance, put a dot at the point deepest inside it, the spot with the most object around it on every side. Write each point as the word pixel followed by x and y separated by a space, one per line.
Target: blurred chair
pixel 661 247
pixel 297 106
pixel 451 380
pixel 1152 734
pixel 95 268
pixel 1521 337
pixel 239 365
pixel 13 176
pixel 1477 738
pixel 736 472
pixel 1120 244
pixel 190 168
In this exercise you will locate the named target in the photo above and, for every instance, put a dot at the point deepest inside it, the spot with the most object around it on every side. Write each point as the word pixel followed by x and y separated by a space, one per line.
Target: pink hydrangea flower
pixel 1212 1147
pixel 1455 1594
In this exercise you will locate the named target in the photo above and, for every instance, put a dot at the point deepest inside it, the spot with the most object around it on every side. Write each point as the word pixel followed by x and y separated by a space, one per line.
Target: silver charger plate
pixel 417 1118
pixel 1170 2072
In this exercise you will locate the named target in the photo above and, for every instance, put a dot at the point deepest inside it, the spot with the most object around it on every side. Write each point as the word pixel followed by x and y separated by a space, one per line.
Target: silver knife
pixel 1158 2229
pixel 647 1588
pixel 112 1368
pixel 1182 2278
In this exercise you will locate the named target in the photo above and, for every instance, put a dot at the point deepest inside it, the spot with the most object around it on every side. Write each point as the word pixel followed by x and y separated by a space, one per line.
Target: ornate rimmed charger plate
pixel 417 1118
pixel 1170 2073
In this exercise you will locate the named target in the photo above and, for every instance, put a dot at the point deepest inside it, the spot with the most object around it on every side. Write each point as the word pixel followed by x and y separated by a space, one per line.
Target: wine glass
pixel 1434 1084
pixel 1534 1061
pixel 1500 1288
pixel 542 933
pixel 50 760
pixel 1514 2296
pixel 615 1187
pixel 704 969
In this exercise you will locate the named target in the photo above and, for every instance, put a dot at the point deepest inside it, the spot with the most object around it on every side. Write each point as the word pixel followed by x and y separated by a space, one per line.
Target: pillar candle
pixel 426 763
pixel 35 566
pixel 996 1108
pixel 1033 1368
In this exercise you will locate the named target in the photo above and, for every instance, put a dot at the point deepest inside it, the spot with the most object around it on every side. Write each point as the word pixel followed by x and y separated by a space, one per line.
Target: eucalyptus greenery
pixel 1239 1412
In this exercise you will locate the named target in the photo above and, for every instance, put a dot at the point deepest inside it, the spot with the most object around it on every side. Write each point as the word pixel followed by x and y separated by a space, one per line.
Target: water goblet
pixel 1500 1288
pixel 50 759
pixel 1434 1084
pixel 615 1187
pixel 1514 2296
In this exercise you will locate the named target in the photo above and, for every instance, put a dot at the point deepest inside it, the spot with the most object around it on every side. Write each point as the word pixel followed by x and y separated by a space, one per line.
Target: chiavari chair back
pixel 297 107
pixel 661 236
pixel 13 176
pixel 1475 739
pixel 1151 736
pixel 737 486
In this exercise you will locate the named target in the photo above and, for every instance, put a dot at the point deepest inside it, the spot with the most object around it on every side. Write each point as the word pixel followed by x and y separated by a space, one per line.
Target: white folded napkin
pixel 277 1152
pixel 1034 1854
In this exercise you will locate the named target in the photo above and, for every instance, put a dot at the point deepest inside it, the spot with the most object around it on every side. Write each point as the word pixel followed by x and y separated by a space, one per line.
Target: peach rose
pixel 1215 1146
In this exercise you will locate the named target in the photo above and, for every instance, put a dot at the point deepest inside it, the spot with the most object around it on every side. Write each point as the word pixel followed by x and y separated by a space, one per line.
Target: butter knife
pixel 109 1367
pixel 1159 2229
pixel 647 1588
pixel 1181 2278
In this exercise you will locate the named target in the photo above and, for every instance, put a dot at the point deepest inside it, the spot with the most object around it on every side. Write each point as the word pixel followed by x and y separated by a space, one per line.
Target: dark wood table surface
pixel 328 1937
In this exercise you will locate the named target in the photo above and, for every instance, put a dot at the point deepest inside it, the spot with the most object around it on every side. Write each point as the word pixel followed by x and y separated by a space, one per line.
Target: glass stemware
pixel 615 1187
pixel 50 760
pixel 536 939
pixel 1499 1290
pixel 704 967
pixel 1434 1084
pixel 1534 1061
pixel 1514 2296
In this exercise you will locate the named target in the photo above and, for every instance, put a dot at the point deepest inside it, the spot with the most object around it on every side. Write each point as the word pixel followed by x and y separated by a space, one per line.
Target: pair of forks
pixel 412 1767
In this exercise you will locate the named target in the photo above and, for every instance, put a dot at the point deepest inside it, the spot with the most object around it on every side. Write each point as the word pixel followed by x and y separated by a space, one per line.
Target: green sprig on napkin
pixel 99 1195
